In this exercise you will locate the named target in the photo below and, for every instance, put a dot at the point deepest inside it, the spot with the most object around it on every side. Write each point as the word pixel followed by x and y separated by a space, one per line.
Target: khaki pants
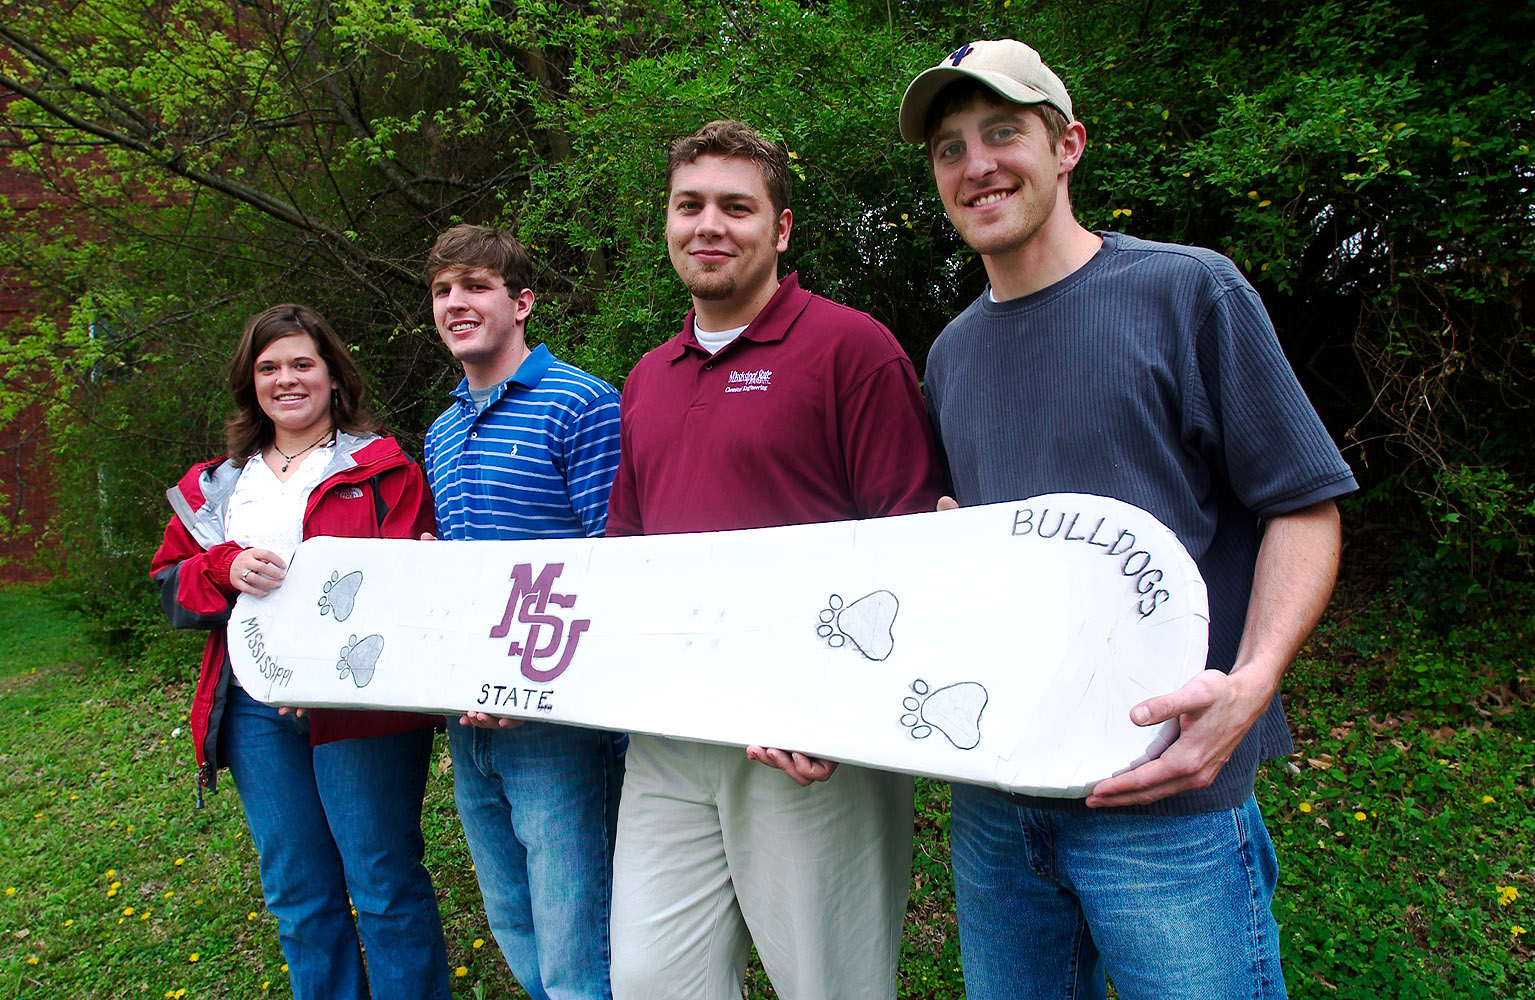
pixel 716 852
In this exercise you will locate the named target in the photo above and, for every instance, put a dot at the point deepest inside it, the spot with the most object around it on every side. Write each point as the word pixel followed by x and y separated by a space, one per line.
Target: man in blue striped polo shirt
pixel 527 449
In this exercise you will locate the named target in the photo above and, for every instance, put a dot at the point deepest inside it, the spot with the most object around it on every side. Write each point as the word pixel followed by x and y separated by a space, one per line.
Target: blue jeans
pixel 337 820
pixel 1170 906
pixel 539 804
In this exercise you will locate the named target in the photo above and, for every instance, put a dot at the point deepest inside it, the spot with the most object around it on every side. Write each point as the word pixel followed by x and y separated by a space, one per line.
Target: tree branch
pixel 172 160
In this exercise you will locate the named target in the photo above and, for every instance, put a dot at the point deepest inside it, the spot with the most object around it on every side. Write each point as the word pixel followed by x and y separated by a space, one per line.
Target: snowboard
pixel 1001 645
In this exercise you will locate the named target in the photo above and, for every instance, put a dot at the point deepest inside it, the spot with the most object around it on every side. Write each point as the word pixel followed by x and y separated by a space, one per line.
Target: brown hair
pixel 735 139
pixel 250 429
pixel 467 247
pixel 961 93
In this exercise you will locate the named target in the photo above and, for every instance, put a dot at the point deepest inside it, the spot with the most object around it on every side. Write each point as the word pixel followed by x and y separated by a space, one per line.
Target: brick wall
pixel 25 449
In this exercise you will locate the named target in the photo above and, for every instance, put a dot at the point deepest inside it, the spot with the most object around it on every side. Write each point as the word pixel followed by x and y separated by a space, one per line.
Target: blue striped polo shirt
pixel 537 462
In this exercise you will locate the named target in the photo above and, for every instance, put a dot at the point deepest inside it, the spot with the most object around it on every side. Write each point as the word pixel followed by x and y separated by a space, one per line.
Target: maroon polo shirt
pixel 812 414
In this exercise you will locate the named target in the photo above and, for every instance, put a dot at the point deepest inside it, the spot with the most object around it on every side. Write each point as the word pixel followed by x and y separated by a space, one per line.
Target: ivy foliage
pixel 1366 162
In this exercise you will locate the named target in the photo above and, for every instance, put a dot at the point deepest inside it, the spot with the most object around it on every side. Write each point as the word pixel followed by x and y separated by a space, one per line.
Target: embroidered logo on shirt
pixel 754 381
pixel 350 493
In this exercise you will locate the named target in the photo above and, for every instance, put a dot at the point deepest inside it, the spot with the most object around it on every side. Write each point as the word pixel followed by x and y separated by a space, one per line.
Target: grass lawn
pixel 1404 827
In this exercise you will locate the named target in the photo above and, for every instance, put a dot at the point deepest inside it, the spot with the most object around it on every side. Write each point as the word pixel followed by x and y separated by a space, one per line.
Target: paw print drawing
pixel 340 594
pixel 358 658
pixel 868 623
pixel 955 711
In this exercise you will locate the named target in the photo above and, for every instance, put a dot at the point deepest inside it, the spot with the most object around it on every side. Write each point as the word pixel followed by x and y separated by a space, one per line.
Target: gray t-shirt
pixel 1153 375
pixel 481 397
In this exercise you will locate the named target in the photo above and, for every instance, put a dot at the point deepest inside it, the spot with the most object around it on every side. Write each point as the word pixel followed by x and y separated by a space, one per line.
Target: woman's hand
pixel 257 571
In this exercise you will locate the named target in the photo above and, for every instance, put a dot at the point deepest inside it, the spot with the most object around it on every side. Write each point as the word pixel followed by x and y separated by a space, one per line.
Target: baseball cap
pixel 1005 65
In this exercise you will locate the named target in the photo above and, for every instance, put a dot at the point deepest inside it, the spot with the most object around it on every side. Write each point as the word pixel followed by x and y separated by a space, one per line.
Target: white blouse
pixel 266 513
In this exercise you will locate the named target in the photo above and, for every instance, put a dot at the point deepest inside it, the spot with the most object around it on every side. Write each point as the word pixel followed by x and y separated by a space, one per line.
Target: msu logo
pixel 529 605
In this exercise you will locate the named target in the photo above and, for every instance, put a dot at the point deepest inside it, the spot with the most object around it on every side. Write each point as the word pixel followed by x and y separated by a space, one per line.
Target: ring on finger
pixel 244 575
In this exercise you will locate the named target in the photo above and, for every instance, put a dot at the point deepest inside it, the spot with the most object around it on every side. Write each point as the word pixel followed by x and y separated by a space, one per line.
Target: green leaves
pixel 1367 164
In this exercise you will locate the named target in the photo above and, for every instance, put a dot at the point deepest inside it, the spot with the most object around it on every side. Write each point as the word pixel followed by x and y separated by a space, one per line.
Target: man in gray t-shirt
pixel 1100 363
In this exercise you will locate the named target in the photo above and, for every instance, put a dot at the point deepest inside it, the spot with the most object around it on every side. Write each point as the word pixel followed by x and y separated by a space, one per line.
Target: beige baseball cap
pixel 1005 65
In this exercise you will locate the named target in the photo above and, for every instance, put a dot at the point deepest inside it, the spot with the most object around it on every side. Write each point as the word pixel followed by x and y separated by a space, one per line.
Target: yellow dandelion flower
pixel 10 890
pixel 1516 930
pixel 285 967
pixel 145 914
pixel 70 922
pixel 266 984
pixel 169 893
pixel 127 911
pixel 32 960
pixel 1304 807
pixel 1361 817
pixel 1507 894
pixel 461 971
pixel 116 885
pixel 1488 800
pixel 195 956
pixel 111 893
pixel 478 944
pixel 179 862
pixel 251 915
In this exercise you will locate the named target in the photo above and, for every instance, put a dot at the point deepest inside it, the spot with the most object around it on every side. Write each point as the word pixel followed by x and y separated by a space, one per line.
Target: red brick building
pixel 25 451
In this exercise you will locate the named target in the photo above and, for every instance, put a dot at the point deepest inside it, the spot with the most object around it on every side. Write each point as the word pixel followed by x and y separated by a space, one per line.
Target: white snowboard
pixel 1001 645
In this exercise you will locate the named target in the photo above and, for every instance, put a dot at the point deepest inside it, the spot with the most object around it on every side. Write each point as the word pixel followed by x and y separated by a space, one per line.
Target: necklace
pixel 289 458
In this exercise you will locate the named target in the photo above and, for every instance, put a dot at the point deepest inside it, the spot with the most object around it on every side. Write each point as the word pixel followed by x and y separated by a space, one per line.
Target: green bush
pixel 1365 162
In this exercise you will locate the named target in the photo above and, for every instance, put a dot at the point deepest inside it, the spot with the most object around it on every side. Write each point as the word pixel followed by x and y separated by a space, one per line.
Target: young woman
pixel 332 798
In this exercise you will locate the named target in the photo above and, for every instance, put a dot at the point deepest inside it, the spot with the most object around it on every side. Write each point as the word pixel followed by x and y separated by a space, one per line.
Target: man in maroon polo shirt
pixel 772 406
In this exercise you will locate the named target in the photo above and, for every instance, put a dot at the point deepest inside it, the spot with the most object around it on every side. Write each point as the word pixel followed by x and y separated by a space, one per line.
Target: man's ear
pixel 1071 147
pixel 524 300
pixel 785 223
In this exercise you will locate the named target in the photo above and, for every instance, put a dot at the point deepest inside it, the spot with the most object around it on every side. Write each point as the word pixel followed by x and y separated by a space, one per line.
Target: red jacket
pixel 371 490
